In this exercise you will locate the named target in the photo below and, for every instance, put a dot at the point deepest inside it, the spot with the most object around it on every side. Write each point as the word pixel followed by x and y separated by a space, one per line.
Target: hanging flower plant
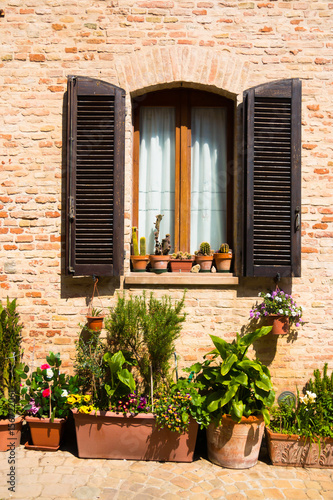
pixel 280 303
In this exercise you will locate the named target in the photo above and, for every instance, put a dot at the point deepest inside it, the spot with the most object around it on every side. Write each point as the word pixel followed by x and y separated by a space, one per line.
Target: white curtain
pixel 208 177
pixel 157 173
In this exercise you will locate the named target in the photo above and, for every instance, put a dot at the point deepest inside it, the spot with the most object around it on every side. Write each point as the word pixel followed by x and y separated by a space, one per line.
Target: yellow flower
pixel 87 398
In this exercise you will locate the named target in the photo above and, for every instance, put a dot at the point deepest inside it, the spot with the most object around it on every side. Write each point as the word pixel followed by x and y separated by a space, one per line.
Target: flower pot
pixel 10 433
pixel 44 433
pixel 159 263
pixel 115 436
pixel 223 262
pixel 280 324
pixel 205 262
pixel 235 445
pixel 95 322
pixel 296 451
pixel 139 263
pixel 181 265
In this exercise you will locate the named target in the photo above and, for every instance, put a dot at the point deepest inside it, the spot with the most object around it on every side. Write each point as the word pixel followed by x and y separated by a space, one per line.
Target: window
pixel 184 169
pixel 182 161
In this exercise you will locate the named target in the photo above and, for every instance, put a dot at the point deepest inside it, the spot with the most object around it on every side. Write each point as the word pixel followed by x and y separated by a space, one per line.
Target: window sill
pixel 195 279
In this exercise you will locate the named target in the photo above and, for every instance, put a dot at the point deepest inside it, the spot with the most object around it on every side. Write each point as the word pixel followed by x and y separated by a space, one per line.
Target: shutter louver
pixel 95 180
pixel 272 237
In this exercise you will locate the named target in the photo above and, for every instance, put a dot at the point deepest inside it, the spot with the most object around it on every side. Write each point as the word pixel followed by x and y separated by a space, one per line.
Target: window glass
pixel 157 172
pixel 208 177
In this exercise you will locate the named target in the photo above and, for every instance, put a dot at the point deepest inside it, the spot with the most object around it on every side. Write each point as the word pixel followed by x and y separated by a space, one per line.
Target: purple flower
pixel 34 409
pixel 251 314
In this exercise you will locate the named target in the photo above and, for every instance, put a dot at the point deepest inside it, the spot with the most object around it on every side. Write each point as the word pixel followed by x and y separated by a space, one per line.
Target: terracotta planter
pixel 44 433
pixel 159 263
pixel 205 262
pixel 296 451
pixel 235 445
pixel 95 322
pixel 112 435
pixel 139 263
pixel 10 433
pixel 181 265
pixel 280 324
pixel 223 262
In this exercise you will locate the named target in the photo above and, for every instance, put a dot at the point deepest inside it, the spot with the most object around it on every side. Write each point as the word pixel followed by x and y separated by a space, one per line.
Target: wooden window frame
pixel 183 99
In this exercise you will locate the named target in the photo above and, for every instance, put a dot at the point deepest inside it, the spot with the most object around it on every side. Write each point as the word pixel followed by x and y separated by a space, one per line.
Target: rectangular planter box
pixel 112 435
pixel 294 451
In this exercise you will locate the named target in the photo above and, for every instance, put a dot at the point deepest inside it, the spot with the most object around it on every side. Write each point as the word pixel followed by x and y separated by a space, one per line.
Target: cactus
pixel 135 240
pixel 205 248
pixel 224 248
pixel 143 250
pixel 166 245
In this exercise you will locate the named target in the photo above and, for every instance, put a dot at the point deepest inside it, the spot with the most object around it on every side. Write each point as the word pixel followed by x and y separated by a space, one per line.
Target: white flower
pixel 268 295
pixel 49 373
pixel 293 313
pixel 278 299
pixel 64 393
pixel 280 311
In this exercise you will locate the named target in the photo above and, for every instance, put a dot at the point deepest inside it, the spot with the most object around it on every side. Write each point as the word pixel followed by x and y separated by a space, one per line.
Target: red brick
pixel 309 250
pixel 33 294
pixel 27 11
pixel 320 226
pixel 10 247
pixel 313 107
pixel 266 29
pixel 198 12
pixel 24 238
pixel 58 27
pixel 56 88
pixel 52 214
pixel 3 215
pixel 321 60
pixel 309 146
pixel 321 171
pixel 71 50
pixel 37 57
pixel 326 218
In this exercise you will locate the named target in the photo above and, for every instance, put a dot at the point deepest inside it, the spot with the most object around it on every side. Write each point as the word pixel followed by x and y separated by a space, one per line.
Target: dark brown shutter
pixel 272 131
pixel 95 178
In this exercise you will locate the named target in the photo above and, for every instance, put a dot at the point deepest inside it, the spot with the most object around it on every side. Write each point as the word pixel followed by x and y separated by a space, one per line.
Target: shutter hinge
pixel 71 214
pixel 71 270
pixel 297 219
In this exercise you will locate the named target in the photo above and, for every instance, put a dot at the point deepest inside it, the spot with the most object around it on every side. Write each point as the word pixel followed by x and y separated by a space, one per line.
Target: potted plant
pixel 223 258
pixel 10 366
pixel 46 408
pixel 95 316
pixel 279 309
pixel 159 260
pixel 181 262
pixel 128 387
pixel 300 432
pixel 204 257
pixel 139 259
pixel 237 395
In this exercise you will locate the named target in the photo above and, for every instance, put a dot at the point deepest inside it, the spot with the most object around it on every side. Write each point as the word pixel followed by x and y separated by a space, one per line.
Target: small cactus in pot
pixel 204 257
pixel 223 258
pixel 139 259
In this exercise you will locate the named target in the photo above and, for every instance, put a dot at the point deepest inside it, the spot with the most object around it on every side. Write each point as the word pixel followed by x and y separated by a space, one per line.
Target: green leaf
pixel 213 400
pixel 265 414
pixel 237 409
pixel 231 359
pixel 248 339
pixel 247 364
pixel 127 378
pixel 223 347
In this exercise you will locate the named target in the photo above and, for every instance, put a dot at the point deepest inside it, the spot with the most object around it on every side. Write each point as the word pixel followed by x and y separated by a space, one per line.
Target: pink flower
pixel 46 393
pixel 45 366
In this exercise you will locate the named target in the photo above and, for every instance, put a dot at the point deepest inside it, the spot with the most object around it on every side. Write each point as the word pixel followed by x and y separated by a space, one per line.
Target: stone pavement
pixel 62 475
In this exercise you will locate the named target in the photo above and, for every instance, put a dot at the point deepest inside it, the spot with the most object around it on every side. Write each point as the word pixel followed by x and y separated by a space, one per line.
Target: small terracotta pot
pixel 280 324
pixel 205 262
pixel 235 445
pixel 181 265
pixel 139 263
pixel 95 322
pixel 44 433
pixel 10 433
pixel 159 263
pixel 223 262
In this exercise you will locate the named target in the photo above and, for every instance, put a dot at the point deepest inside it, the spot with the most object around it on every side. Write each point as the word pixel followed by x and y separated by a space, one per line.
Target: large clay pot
pixel 235 445
pixel 113 435
pixel 44 433
pixel 10 433
pixel 280 324
pixel 181 265
pixel 223 262
pixel 139 263
pixel 205 262
pixel 292 450
pixel 159 263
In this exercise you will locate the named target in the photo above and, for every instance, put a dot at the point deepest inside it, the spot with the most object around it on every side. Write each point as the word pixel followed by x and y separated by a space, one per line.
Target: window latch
pixel 297 219
pixel 71 209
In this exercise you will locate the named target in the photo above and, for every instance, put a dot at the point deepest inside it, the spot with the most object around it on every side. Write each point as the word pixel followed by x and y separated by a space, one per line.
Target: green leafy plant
pixel 96 312
pixel 47 389
pixel 232 383
pixel 145 330
pixel 309 415
pixel 121 380
pixel 277 302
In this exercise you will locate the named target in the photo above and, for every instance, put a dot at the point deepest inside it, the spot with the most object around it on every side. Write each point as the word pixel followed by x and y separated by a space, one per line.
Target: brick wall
pixel 224 47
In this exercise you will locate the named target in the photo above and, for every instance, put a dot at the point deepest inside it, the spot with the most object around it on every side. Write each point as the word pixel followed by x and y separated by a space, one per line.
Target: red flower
pixel 45 366
pixel 46 393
